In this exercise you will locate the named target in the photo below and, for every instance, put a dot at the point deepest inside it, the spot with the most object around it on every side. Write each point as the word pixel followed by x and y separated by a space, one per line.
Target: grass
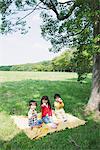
pixel 21 75
pixel 18 87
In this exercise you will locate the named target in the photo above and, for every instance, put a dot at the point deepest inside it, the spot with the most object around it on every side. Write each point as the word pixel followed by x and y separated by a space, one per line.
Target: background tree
pixel 71 23
pixel 82 62
pixel 63 62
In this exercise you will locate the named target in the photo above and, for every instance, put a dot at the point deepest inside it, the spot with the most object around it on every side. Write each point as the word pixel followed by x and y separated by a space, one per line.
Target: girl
pixel 32 115
pixel 59 111
pixel 47 111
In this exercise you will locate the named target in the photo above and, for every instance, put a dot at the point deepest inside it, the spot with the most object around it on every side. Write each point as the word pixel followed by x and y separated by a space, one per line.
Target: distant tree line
pixel 66 62
pixel 5 68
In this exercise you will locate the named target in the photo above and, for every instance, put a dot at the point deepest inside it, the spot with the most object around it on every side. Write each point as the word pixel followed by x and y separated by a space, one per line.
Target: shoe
pixel 65 120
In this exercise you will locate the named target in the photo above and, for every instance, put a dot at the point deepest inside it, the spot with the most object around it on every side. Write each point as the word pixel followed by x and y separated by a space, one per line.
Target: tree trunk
pixel 94 101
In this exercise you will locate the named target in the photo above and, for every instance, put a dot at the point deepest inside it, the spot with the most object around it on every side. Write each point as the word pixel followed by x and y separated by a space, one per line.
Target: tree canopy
pixel 64 23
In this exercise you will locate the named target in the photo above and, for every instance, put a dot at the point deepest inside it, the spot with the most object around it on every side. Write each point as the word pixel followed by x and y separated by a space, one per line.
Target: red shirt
pixel 46 110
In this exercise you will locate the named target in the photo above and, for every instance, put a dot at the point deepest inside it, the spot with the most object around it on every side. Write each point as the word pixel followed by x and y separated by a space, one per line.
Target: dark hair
pixel 46 98
pixel 57 95
pixel 32 101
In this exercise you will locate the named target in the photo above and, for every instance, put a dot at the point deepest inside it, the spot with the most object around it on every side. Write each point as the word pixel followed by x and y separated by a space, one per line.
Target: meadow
pixel 17 88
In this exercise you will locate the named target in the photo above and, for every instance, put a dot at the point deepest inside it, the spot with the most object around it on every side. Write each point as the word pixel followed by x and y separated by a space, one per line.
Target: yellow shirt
pixel 58 105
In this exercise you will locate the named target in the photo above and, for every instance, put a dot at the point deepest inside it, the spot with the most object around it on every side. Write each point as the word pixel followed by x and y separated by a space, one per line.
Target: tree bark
pixel 94 101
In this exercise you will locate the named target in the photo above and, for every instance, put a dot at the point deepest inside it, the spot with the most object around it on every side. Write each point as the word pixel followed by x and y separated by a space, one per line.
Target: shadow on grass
pixel 87 80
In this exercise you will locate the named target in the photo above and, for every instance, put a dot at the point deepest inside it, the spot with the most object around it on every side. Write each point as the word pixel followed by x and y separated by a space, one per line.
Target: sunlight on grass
pixel 7 129
pixel 21 75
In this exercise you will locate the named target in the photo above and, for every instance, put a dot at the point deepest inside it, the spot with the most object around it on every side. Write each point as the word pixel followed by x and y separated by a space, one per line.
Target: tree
pixel 69 23
pixel 82 63
pixel 78 25
pixel 63 62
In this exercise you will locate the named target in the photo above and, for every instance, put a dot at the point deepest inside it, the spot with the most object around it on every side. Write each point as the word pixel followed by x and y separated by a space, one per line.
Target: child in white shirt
pixel 32 115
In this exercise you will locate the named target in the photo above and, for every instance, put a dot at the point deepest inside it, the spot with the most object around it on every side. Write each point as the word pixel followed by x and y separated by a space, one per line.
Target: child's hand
pixel 44 104
pixel 53 111
pixel 59 100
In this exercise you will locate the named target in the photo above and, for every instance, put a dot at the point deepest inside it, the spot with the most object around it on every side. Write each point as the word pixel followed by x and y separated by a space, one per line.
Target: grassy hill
pixel 17 88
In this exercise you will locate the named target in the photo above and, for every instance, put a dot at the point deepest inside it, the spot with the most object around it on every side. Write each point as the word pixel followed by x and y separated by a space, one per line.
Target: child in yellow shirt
pixel 59 110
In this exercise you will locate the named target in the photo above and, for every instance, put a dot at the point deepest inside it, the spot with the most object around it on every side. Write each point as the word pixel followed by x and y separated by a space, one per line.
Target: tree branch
pixel 29 13
pixel 27 9
pixel 51 6
pixel 81 30
pixel 54 8
pixel 64 38
pixel 40 7
pixel 60 17
pixel 67 2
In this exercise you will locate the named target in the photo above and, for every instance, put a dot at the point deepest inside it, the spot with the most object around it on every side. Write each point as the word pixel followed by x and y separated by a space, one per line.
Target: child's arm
pixel 29 114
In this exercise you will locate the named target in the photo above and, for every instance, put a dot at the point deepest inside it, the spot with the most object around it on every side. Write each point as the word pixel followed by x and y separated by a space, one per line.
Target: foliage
pixel 76 24
pixel 72 25
pixel 11 17
pixel 5 68
pixel 82 61
pixel 63 62
pixel 41 66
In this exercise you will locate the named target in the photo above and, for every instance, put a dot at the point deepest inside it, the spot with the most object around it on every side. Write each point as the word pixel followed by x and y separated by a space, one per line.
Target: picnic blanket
pixel 36 133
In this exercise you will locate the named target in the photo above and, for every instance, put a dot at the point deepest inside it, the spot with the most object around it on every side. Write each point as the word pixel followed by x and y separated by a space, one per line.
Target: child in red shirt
pixel 47 111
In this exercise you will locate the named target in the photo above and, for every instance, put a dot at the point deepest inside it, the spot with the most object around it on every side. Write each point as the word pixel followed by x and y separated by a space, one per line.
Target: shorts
pixel 36 123
pixel 47 119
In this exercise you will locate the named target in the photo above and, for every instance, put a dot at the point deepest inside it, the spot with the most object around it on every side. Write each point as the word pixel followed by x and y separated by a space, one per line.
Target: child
pixel 59 111
pixel 47 111
pixel 32 115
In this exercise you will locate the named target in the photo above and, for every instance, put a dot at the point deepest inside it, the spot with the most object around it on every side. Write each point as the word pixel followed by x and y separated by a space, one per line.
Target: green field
pixel 6 76
pixel 17 88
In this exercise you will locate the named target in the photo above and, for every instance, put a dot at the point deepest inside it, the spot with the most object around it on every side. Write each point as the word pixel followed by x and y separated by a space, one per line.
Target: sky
pixel 29 48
